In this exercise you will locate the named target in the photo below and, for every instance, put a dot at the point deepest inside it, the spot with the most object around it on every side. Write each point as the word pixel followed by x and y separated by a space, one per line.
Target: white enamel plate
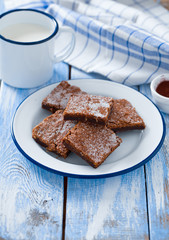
pixel 137 148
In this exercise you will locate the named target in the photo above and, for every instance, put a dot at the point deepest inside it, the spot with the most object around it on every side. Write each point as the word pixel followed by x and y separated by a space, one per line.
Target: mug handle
pixel 68 48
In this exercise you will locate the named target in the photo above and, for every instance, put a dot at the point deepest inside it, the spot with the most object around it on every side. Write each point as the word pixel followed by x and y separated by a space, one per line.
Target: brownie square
pixel 92 142
pixel 124 117
pixel 59 96
pixel 50 132
pixel 88 108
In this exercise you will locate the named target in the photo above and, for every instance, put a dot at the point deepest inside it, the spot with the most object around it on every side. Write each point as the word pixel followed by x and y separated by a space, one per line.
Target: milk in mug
pixel 26 32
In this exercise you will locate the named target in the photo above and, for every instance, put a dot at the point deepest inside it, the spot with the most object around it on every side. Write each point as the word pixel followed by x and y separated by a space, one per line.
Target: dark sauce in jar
pixel 163 88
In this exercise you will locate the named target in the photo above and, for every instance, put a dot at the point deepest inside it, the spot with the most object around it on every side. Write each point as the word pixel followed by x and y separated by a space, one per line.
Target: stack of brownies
pixel 84 124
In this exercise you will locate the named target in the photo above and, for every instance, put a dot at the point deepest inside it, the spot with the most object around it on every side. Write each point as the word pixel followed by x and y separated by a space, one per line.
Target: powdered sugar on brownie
pixel 93 142
pixel 100 146
pixel 88 108
pixel 50 132
pixel 98 108
pixel 124 116
pixel 59 96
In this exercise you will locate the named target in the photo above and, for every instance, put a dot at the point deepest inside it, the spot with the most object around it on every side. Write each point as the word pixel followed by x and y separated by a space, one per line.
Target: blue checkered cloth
pixel 126 41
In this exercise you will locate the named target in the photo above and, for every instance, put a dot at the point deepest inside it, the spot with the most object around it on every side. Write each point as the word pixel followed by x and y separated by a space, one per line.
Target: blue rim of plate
pixel 127 170
pixel 36 11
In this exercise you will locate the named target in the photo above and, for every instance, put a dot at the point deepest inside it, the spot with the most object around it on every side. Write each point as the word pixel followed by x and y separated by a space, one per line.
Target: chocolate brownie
pixel 50 132
pixel 88 108
pixel 92 142
pixel 59 96
pixel 124 117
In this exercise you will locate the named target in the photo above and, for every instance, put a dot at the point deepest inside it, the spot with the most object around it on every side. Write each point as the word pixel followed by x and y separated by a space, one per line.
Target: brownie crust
pixel 50 132
pixel 90 108
pixel 58 98
pixel 124 117
pixel 92 142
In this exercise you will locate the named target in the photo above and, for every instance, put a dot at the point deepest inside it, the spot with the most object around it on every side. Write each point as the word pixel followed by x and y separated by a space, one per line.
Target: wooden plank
pixel 31 199
pixel 112 208
pixel 1 6
pixel 157 175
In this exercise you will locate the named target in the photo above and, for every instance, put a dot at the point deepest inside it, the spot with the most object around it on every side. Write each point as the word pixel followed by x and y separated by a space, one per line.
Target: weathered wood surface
pixel 157 176
pixel 31 199
pixel 112 208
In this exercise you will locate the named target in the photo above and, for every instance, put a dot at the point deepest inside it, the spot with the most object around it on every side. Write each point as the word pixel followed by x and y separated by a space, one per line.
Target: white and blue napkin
pixel 126 41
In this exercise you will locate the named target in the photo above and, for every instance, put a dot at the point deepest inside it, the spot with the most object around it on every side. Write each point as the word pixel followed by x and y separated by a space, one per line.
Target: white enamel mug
pixel 30 44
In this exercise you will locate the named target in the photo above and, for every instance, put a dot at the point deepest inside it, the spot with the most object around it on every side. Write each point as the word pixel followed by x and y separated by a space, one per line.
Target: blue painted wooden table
pixel 38 204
